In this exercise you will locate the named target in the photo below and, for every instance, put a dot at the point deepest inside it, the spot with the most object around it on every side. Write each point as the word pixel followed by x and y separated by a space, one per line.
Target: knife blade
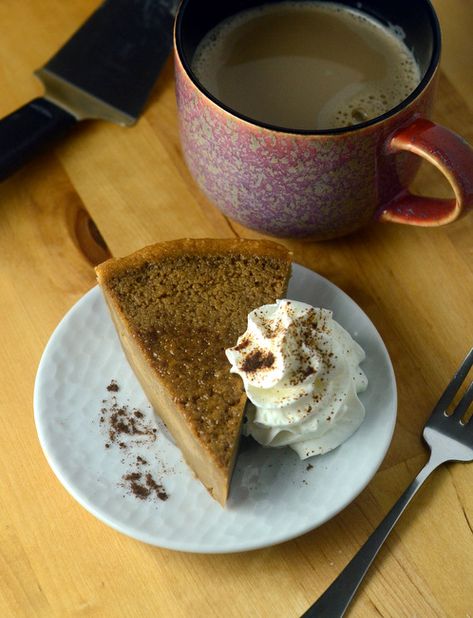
pixel 106 70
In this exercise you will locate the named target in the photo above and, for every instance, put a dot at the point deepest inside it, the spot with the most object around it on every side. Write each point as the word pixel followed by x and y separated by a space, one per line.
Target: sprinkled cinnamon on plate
pixel 127 427
pixel 113 387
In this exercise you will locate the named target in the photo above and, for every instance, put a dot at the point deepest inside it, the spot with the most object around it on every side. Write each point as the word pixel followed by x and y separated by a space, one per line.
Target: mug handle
pixel 452 155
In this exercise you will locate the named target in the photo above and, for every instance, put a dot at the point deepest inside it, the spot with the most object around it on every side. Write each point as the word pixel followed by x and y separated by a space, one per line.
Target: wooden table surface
pixel 416 285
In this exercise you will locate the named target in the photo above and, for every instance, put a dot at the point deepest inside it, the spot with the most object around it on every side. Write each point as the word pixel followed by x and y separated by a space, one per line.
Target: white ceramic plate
pixel 274 496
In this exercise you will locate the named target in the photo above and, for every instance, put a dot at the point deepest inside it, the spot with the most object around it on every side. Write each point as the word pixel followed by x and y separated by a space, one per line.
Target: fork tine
pixel 464 403
pixel 457 380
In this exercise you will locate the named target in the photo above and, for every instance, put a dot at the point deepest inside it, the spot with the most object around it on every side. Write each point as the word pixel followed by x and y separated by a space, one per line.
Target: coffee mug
pixel 320 183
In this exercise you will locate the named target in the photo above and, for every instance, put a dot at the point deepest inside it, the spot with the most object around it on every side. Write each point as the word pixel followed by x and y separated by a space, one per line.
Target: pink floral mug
pixel 326 183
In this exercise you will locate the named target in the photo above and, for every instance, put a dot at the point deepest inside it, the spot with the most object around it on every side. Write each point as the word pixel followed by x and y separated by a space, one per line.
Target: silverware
pixel 106 70
pixel 449 439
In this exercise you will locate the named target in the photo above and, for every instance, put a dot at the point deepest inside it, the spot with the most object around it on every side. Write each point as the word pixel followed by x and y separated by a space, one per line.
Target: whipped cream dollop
pixel 301 371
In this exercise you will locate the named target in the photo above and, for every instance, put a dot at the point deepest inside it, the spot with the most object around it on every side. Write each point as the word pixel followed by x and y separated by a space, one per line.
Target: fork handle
pixel 335 600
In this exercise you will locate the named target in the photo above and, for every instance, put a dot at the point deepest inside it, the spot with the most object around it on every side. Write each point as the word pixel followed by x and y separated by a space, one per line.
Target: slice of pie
pixel 176 306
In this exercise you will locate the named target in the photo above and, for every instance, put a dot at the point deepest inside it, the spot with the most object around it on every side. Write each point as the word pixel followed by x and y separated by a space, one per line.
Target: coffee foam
pixel 369 101
pixel 364 102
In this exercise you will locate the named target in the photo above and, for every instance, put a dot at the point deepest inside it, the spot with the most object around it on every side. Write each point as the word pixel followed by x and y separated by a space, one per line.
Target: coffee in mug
pixel 282 174
pixel 306 65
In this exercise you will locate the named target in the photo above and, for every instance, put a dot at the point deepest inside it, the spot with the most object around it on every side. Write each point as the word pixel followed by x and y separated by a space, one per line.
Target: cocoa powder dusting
pixel 244 343
pixel 126 426
pixel 156 487
pixel 256 360
pixel 113 387
pixel 142 486
pixel 137 489
pixel 121 420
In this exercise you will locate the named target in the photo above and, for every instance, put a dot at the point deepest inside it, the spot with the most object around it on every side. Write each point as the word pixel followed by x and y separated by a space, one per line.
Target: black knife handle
pixel 24 132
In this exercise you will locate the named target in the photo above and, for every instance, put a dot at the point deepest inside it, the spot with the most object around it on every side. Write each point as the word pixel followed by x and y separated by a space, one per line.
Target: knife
pixel 105 70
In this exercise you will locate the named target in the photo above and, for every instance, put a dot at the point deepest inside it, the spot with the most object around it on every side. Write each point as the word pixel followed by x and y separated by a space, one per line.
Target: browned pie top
pixel 188 300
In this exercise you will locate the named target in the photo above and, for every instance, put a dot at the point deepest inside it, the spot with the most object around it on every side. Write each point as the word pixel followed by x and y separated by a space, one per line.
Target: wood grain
pixel 56 560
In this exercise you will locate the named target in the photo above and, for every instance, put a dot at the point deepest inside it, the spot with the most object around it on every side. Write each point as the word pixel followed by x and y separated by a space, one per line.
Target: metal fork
pixel 449 439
